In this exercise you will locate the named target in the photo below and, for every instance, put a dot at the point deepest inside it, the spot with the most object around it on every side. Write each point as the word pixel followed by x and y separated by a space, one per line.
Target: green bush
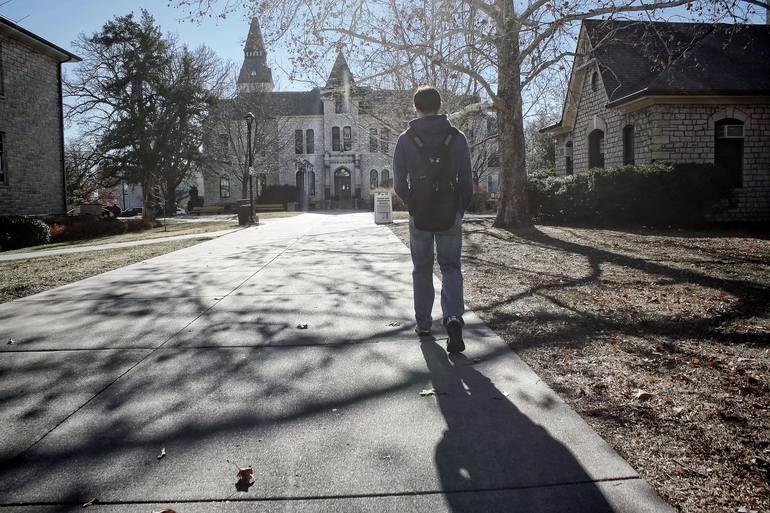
pixel 89 227
pixel 479 201
pixel 20 232
pixel 652 195
pixel 194 201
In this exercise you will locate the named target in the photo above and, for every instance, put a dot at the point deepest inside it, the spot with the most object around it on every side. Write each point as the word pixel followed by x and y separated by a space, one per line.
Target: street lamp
pixel 249 121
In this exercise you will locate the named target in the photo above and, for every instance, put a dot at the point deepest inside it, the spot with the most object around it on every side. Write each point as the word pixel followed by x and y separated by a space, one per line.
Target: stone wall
pixel 685 133
pixel 30 121
pixel 676 133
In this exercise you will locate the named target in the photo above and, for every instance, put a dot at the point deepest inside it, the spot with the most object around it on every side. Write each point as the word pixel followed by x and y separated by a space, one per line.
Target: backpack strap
pixel 412 133
pixel 451 133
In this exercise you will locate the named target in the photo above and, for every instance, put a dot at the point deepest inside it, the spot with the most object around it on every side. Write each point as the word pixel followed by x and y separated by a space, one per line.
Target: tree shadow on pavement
pixel 491 446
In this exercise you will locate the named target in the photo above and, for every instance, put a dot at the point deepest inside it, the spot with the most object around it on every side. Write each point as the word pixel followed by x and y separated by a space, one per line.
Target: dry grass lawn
pixel 19 278
pixel 661 341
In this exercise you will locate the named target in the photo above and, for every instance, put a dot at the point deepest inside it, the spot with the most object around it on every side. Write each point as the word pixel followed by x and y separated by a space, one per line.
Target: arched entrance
pixel 596 149
pixel 342 192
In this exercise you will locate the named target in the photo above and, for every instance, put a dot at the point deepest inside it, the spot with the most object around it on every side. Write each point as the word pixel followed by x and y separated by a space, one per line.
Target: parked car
pixel 180 211
pixel 131 212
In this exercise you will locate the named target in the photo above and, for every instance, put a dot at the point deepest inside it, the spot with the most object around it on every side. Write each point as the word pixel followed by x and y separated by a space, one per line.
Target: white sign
pixel 383 208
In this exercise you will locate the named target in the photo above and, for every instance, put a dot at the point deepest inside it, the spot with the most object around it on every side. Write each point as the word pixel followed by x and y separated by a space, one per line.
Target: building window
pixel 3 172
pixel 335 138
pixel 385 140
pixel 372 140
pixel 347 138
pixel 298 143
pixel 224 186
pixel 594 81
pixel 568 165
pixel 373 179
pixel 310 140
pixel 385 180
pixel 728 149
pixel 596 149
pixel 628 145
pixel 339 103
pixel 224 142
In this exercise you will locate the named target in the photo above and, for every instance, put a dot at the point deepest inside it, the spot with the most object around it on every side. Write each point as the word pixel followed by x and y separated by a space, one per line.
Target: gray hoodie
pixel 432 130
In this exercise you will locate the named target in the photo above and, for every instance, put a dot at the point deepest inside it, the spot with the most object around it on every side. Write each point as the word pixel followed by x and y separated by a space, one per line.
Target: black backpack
pixel 433 185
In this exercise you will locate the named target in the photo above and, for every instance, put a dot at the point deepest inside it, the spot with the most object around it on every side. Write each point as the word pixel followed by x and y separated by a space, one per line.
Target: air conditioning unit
pixel 730 132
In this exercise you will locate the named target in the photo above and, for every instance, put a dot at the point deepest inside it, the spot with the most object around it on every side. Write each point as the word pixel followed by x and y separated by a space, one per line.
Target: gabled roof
pixel 340 75
pixel 638 59
pixel 9 28
pixel 658 58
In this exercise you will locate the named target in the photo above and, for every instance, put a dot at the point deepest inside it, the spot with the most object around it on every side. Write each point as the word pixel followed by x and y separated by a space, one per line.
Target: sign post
pixel 383 208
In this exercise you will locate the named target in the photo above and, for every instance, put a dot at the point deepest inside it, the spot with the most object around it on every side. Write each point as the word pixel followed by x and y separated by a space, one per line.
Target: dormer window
pixel 253 73
pixel 594 81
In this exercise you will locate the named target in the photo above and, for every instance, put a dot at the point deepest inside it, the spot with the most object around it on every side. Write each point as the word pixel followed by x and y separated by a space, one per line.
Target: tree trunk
pixel 512 208
pixel 148 205
pixel 170 197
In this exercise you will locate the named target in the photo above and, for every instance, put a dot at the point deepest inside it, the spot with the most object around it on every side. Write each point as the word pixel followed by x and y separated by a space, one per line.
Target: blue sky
pixel 61 21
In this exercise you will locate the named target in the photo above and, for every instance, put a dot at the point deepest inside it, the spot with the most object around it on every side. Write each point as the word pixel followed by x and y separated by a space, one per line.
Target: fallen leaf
pixel 431 391
pixel 642 395
pixel 162 453
pixel 165 511
pixel 245 475
pixel 395 324
pixel 11 341
pixel 90 503
pixel 302 326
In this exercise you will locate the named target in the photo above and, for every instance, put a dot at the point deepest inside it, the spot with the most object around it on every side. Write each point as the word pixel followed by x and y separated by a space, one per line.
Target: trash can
pixel 244 214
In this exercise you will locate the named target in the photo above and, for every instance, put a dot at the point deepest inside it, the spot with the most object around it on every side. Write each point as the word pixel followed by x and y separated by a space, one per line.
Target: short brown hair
pixel 427 99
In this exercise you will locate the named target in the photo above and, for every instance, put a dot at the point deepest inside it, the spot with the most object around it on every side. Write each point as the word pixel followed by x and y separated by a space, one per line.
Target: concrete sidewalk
pixel 113 245
pixel 198 353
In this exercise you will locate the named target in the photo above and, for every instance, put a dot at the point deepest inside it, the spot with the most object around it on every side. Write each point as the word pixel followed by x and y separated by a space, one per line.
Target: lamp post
pixel 250 163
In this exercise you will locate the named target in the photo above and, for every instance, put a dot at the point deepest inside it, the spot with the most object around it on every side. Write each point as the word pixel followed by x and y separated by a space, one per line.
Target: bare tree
pixel 501 47
pixel 226 137
pixel 83 171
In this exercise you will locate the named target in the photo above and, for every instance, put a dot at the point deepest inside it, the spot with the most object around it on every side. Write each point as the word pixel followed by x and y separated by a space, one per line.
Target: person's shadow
pixel 492 458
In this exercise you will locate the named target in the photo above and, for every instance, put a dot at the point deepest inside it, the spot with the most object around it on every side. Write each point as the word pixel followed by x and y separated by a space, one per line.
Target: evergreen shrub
pixel 21 232
pixel 645 195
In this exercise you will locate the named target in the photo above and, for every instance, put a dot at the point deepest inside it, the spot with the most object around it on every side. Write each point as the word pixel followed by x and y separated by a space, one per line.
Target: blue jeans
pixel 449 245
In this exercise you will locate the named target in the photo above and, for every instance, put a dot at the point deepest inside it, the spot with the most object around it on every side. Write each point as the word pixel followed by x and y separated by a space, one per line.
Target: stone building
pixel 31 123
pixel 334 143
pixel 643 92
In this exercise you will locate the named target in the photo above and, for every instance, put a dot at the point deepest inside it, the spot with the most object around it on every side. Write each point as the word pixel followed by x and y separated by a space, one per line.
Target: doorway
pixel 342 192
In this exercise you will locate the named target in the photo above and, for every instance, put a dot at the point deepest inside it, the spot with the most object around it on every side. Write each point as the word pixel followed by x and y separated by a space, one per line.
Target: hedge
pixel 648 195
pixel 89 227
pixel 21 231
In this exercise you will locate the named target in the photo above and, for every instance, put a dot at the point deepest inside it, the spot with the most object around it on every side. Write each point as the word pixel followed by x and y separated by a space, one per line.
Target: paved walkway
pixel 113 245
pixel 198 355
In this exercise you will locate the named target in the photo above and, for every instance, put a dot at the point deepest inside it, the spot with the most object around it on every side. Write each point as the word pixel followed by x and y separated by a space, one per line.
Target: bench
pixel 269 207
pixel 214 209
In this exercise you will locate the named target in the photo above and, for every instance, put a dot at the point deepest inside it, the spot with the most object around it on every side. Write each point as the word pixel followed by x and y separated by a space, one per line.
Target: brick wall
pixel 29 119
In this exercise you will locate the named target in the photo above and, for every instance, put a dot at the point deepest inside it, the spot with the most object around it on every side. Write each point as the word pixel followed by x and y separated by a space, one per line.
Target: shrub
pixel 479 201
pixel 89 227
pixel 20 232
pixel 277 194
pixel 196 201
pixel 654 195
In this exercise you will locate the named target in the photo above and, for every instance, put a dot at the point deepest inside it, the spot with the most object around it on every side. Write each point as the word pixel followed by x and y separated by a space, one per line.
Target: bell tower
pixel 255 75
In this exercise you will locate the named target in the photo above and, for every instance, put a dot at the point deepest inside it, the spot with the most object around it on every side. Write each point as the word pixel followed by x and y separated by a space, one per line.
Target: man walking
pixel 432 174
